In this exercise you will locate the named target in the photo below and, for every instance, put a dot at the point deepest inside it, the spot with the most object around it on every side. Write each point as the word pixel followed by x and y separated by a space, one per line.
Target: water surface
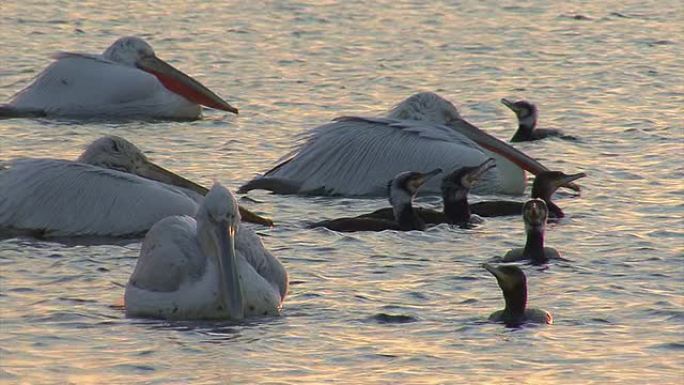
pixel 386 307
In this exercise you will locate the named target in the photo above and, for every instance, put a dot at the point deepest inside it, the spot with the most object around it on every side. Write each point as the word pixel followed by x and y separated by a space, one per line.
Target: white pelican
pixel 356 156
pixel 127 81
pixel 112 189
pixel 206 267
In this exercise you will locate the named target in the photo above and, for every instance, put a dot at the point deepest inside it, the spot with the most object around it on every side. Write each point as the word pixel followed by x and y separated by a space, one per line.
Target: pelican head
pixel 525 111
pixel 116 153
pixel 218 218
pixel 425 106
pixel 535 214
pixel 135 52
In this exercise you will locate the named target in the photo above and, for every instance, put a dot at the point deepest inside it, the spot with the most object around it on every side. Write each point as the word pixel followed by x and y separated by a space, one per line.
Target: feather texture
pixel 179 272
pixel 357 156
pixel 83 85
pixel 65 198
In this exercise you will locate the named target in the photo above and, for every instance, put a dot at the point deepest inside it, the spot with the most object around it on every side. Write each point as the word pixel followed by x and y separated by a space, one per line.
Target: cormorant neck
pixel 456 208
pixel 516 302
pixel 524 133
pixel 554 210
pixel 525 127
pixel 543 194
pixel 407 218
pixel 534 247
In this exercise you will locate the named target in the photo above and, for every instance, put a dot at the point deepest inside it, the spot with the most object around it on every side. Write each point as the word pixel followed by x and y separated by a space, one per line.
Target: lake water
pixel 607 72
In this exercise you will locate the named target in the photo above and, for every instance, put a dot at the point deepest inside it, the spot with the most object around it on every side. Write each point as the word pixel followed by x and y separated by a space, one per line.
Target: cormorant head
pixel 461 180
pixel 525 111
pixel 535 214
pixel 405 185
pixel 546 183
pixel 513 284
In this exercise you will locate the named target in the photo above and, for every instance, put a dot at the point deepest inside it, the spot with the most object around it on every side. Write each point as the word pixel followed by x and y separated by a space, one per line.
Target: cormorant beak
pixel 568 179
pixel 480 170
pixel 229 284
pixel 182 84
pixel 510 105
pixel 150 170
pixel 426 177
pixel 504 280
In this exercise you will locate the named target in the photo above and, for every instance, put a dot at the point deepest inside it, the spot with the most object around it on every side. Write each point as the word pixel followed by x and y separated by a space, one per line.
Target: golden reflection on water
pixel 614 81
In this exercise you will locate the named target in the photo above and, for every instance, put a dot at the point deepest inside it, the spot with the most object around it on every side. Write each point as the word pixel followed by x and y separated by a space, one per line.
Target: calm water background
pixel 609 72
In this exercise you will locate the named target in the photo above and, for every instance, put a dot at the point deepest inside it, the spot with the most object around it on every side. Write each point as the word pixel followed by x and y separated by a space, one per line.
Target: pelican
pixel 127 81
pixel 354 156
pixel 206 267
pixel 111 190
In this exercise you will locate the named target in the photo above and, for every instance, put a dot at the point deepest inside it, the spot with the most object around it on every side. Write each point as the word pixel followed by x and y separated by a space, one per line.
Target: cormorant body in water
pixel 527 114
pixel 401 190
pixel 455 188
pixel 513 284
pixel 545 184
pixel 535 214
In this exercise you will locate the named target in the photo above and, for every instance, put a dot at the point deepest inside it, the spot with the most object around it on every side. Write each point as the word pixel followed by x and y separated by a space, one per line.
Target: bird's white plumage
pixel 82 85
pixel 176 278
pixel 111 190
pixel 67 198
pixel 357 156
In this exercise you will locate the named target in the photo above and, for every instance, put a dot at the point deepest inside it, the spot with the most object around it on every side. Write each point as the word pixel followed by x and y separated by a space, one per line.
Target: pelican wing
pixel 249 246
pixel 64 198
pixel 170 256
pixel 358 156
pixel 89 85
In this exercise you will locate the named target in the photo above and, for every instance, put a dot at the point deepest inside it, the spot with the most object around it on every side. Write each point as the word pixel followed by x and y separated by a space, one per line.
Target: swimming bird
pixel 205 267
pixel 111 190
pixel 543 187
pixel 535 214
pixel 455 188
pixel 127 80
pixel 527 114
pixel 513 284
pixel 351 155
pixel 401 190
